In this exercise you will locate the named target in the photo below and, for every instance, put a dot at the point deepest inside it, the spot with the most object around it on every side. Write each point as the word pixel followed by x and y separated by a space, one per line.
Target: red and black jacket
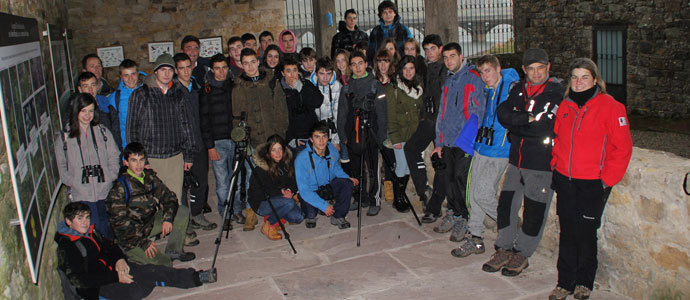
pixel 531 143
pixel 592 141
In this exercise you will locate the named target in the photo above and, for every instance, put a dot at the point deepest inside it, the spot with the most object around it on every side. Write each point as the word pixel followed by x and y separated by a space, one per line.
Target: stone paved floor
pixel 397 260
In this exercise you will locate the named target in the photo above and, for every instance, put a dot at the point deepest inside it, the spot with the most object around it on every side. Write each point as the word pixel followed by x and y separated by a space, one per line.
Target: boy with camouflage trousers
pixel 140 207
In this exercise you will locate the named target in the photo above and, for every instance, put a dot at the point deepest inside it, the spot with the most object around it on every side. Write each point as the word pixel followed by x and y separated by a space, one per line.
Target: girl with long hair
pixel 274 176
pixel 88 159
pixel 342 66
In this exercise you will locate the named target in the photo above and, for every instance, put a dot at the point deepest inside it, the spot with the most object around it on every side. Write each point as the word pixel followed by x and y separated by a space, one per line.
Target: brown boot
pixel 251 220
pixel 270 232
pixel 388 190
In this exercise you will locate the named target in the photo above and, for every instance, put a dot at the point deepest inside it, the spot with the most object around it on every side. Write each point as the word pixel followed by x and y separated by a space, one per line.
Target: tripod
pixel 366 131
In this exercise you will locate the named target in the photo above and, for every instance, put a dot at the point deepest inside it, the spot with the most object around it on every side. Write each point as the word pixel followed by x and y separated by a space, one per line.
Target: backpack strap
pixel 117 100
pixel 128 190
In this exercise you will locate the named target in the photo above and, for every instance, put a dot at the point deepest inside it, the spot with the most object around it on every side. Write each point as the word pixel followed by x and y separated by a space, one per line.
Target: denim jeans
pixel 401 168
pixel 222 169
pixel 285 207
pixel 342 190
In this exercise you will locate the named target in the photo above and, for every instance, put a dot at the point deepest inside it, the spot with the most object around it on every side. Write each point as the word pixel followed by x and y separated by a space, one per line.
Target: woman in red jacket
pixel 591 152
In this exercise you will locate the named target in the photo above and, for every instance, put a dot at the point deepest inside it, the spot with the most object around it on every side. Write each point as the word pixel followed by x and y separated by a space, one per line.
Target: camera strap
pixel 328 163
pixel 498 100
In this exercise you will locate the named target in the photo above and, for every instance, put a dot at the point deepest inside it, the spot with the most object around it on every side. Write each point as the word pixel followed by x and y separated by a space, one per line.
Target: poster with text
pixel 27 111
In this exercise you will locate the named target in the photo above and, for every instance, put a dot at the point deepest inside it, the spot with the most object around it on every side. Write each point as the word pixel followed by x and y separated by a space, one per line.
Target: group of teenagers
pixel 136 157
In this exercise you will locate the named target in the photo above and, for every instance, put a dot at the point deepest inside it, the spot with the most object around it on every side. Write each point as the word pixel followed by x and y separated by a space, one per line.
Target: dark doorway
pixel 609 45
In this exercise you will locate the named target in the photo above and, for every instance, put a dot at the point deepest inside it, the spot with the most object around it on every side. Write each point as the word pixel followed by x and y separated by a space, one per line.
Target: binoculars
pixel 92 171
pixel 485 133
pixel 429 105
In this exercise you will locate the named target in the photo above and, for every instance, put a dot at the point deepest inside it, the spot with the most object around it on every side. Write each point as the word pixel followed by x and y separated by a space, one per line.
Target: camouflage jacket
pixel 132 223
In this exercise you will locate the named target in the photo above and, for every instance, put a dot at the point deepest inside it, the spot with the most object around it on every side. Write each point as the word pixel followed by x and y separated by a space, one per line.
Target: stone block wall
pixel 644 241
pixel 15 277
pixel 135 23
pixel 658 48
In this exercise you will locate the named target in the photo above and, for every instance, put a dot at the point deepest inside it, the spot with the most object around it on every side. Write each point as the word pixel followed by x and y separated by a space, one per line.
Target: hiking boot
pixel 227 225
pixel 270 231
pixel 206 209
pixel 373 210
pixel 472 245
pixel 181 256
pixel 190 232
pixel 459 230
pixel 559 293
pixel 499 259
pixel 355 204
pixel 582 292
pixel 208 276
pixel 446 223
pixel 400 205
pixel 388 190
pixel 191 241
pixel 199 221
pixel 429 217
pixel 514 267
pixel 238 217
pixel 310 223
pixel 250 221
pixel 340 222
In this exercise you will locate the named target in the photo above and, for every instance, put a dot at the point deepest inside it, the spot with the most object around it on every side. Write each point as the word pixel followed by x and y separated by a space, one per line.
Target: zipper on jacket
pixel 603 154
pixel 520 153
pixel 581 119
pixel 572 137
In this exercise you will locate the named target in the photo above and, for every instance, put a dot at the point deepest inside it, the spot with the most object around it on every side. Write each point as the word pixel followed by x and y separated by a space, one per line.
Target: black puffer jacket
pixel 301 107
pixel 262 183
pixel 215 106
pixel 345 38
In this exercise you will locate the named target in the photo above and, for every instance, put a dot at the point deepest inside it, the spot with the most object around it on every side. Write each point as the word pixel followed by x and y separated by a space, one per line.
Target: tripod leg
pixel 359 204
pixel 282 227
pixel 228 209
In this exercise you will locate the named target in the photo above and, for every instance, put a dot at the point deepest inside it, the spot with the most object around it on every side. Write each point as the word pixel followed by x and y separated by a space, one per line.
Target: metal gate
pixel 485 26
pixel 300 19
pixel 610 56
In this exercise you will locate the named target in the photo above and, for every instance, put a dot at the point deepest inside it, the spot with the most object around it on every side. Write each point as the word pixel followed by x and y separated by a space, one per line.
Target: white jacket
pixel 329 107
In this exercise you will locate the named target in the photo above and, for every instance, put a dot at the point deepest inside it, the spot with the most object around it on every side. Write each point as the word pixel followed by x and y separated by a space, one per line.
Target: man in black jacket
pixel 200 66
pixel 91 265
pixel 529 114
pixel 216 125
pixel 302 98
pixel 348 34
pixel 198 194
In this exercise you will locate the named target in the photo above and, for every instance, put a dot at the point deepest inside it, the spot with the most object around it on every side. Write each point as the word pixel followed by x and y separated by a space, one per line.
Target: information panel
pixel 26 116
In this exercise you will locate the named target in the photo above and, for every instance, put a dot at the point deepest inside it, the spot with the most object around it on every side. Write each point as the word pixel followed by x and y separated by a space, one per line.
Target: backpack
pixel 68 289
pixel 124 181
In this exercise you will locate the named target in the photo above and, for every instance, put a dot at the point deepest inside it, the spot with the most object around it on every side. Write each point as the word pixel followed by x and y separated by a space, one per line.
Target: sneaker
pixel 190 241
pixel 208 276
pixel 227 225
pixel 200 222
pixel 401 205
pixel 373 210
pixel 429 217
pixel 310 223
pixel 559 293
pixel 340 222
pixel 472 245
pixel 459 229
pixel 181 256
pixel 514 267
pixel 238 217
pixel 499 259
pixel 446 223
pixel 582 292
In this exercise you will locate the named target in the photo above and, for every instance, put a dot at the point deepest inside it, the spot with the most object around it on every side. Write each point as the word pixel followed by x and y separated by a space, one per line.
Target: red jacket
pixel 592 141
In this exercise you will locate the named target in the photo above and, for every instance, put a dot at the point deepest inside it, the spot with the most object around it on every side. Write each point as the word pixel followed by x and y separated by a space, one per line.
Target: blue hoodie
pixel 309 179
pixel 122 105
pixel 501 145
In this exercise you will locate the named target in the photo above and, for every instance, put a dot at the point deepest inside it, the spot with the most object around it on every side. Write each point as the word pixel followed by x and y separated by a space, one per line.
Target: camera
pixel 362 104
pixel 92 171
pixel 437 163
pixel 325 192
pixel 429 105
pixel 190 181
pixel 331 126
pixel 485 133
pixel 240 134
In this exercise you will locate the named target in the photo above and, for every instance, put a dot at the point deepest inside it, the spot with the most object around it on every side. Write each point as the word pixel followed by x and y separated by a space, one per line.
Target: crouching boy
pixel 92 266
pixel 140 206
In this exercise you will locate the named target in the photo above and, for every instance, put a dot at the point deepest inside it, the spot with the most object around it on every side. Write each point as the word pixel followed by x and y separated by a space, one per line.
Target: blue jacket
pixel 462 99
pixel 309 179
pixel 501 145
pixel 397 30
pixel 122 105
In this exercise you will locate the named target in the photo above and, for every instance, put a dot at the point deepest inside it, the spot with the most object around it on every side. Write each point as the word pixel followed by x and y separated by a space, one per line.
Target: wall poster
pixel 26 117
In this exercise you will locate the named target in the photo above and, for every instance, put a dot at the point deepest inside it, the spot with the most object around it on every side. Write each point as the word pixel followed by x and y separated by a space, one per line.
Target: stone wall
pixel 15 278
pixel 644 241
pixel 135 23
pixel 658 50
